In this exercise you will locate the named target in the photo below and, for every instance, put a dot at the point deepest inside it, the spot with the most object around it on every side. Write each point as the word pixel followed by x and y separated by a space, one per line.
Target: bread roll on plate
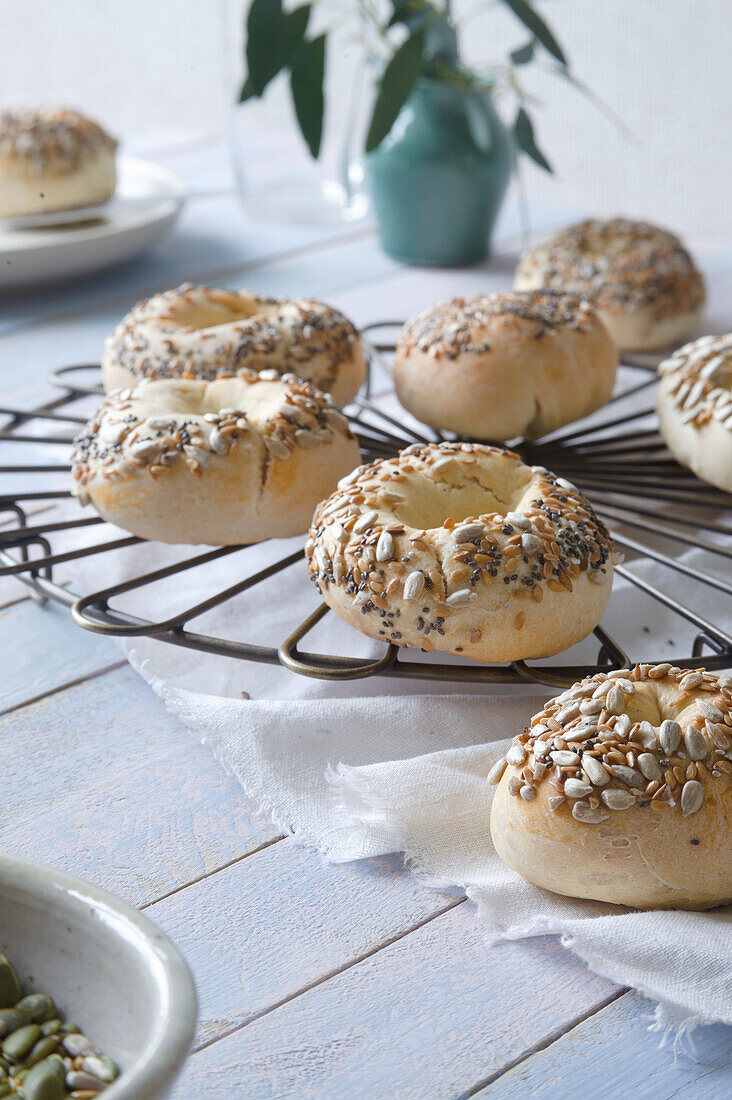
pixel 51 159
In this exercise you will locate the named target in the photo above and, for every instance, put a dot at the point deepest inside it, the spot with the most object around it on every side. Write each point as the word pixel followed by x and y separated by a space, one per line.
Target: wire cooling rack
pixel 620 464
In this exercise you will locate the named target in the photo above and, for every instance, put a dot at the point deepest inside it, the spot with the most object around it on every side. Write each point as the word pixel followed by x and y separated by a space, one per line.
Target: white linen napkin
pixel 355 772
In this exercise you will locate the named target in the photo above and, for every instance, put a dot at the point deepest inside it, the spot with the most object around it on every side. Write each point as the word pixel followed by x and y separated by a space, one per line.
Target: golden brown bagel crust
pixel 645 285
pixel 223 463
pixel 51 159
pixel 499 366
pixel 463 548
pixel 201 333
pixel 620 790
pixel 694 407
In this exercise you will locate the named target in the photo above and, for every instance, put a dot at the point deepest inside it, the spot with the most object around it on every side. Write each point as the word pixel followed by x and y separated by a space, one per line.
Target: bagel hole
pixel 458 493
pixel 645 707
pixel 225 311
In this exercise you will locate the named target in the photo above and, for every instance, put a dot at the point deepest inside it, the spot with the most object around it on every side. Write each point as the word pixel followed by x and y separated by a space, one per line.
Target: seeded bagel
pixel 645 285
pixel 620 790
pixel 495 367
pixel 201 333
pixel 462 548
pixel 695 408
pixel 223 463
pixel 53 158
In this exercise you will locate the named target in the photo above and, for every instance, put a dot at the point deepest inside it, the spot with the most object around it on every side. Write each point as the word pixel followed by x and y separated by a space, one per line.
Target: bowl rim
pixel 162 1058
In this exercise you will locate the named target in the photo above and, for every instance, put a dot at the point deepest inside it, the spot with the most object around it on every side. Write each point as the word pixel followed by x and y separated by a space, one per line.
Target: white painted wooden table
pixel 314 981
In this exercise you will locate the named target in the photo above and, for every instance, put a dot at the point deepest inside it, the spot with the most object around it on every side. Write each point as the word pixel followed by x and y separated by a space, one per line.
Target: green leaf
pixel 273 40
pixel 412 13
pixel 247 90
pixel 264 28
pixel 524 54
pixel 534 22
pixel 524 132
pixel 395 86
pixel 306 84
pixel 293 32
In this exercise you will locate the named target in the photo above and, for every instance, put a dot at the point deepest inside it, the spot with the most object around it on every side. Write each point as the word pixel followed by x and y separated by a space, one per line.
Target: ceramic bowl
pixel 109 970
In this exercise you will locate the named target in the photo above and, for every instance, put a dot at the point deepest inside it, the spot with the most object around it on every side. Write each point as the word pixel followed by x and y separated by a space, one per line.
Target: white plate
pixel 30 257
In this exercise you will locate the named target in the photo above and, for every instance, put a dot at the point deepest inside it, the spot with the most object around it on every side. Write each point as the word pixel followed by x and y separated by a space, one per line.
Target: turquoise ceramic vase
pixel 439 177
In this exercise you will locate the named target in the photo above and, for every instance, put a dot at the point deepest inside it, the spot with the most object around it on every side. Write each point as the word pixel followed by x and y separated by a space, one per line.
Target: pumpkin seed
pixel 44 1082
pixel 45 1046
pixel 19 1043
pixel 38 1007
pixel 30 1062
pixel 11 1019
pixel 9 984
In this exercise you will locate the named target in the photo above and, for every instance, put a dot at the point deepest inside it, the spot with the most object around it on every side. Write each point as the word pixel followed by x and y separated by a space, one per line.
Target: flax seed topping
pixel 202 333
pixel 618 264
pixel 653 736
pixel 55 138
pixel 157 425
pixel 458 325
pixel 411 584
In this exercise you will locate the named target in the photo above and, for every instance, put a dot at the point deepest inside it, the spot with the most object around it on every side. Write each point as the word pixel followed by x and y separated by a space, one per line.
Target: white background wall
pixel 664 65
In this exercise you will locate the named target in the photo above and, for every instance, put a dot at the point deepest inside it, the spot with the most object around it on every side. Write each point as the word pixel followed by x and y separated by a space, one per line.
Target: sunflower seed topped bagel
pixel 497 366
pixel 620 790
pixel 645 285
pixel 694 407
pixel 462 547
pixel 232 461
pixel 200 333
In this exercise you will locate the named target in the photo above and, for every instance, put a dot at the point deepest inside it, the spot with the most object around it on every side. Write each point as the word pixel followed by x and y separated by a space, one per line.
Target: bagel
pixel 53 159
pixel 645 285
pixel 494 367
pixel 227 462
pixel 694 406
pixel 620 790
pixel 463 548
pixel 199 333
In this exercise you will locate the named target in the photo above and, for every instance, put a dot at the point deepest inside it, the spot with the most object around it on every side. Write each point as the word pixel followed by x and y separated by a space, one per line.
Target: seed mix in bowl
pixel 41 1056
